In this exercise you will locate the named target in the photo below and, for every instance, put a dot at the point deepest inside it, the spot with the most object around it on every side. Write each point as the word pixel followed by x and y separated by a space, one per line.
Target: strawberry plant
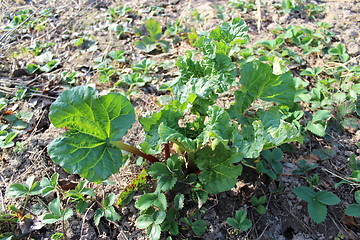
pixel 107 210
pixel 259 204
pixel 240 221
pixel 354 209
pixel 56 213
pixel 317 202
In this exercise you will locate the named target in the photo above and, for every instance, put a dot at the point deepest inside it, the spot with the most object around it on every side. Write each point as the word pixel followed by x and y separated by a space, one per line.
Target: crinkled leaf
pixel 258 81
pixel 231 33
pixel 218 172
pixel 268 132
pixel 204 78
pixel 210 48
pixel 169 134
pixel 218 126
pixel 168 116
pixel 93 123
pixel 250 141
pixel 317 211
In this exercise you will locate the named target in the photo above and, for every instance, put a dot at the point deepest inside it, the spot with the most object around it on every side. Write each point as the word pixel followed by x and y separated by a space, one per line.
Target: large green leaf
pixel 169 117
pixel 231 33
pixel 202 80
pixel 218 172
pixel 93 122
pixel 170 134
pixel 202 77
pixel 218 127
pixel 268 132
pixel 258 81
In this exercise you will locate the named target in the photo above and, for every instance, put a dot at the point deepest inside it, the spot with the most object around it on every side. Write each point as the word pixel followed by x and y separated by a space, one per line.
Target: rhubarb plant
pixel 204 145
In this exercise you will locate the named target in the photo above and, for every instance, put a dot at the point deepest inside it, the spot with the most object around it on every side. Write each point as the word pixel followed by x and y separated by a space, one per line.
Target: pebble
pixel 126 224
pixel 348 153
pixel 272 26
pixel 124 211
pixel 353 48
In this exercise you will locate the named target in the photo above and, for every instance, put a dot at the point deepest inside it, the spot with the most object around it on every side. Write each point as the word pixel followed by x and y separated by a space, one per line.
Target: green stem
pixel 25 203
pixel 134 150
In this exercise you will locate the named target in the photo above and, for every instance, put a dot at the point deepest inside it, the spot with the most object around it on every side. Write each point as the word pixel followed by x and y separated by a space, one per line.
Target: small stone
pixel 90 214
pixel 124 211
pixel 348 153
pixel 284 18
pixel 223 195
pixel 127 224
pixel 272 26
pixel 353 48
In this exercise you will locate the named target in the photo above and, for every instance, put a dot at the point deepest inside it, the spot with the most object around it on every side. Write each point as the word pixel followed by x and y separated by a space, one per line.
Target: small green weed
pixel 317 202
pixel 240 222
pixel 153 40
